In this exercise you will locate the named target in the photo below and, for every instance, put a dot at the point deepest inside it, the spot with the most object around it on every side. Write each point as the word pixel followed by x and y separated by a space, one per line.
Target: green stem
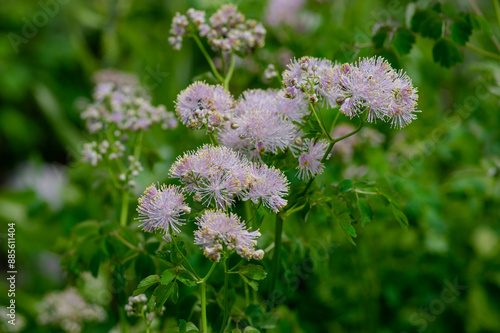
pixel 124 212
pixel 209 273
pixel 330 147
pixel 174 240
pixel 229 72
pixel 226 295
pixel 275 265
pixel 209 60
pixel 138 145
pixel 320 123
pixel 482 52
pixel 334 122
pixel 203 291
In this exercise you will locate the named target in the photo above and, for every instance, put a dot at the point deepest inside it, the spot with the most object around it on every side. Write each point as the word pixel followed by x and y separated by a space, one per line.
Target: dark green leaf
pixel 144 265
pixel 254 272
pixel 146 283
pixel 461 29
pixel 432 26
pixel 418 18
pixel 175 292
pixel 347 229
pixel 346 185
pixel 380 36
pixel 446 53
pixel 403 41
pixel 365 211
pixel 167 276
pixel 176 252
pixel 391 195
pixel 250 329
pixel 185 278
pixel 449 9
pixel 400 217
pixel 160 296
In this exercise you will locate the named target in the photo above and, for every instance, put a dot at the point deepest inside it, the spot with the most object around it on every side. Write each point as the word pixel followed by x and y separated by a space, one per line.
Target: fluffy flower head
pixel 161 209
pixel 218 229
pixel 203 105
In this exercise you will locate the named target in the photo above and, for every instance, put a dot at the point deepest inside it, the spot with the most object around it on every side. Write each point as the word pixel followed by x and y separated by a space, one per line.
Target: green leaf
pixel 365 211
pixel 236 330
pixel 176 254
pixel 252 283
pixel 254 272
pixel 400 217
pixel 418 18
pixel 144 265
pixel 347 229
pixel 449 9
pixel 250 329
pixel 380 36
pixel 432 26
pixel 190 327
pixel 338 205
pixel 403 41
pixel 346 185
pixel 391 195
pixel 461 29
pixel 167 276
pixel 160 296
pixel 480 23
pixel 446 53
pixel 146 283
pixel 185 278
pixel 86 229
pixel 175 293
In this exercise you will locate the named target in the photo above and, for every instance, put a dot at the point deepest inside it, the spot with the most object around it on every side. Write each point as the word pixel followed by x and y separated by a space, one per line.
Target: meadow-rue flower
pixel 230 31
pixel 217 229
pixel 68 310
pixel 310 76
pixel 310 163
pixel 213 174
pixel 203 105
pixel 178 29
pixel 268 185
pixel 161 209
pixel 119 101
pixel 263 122
pixel 371 85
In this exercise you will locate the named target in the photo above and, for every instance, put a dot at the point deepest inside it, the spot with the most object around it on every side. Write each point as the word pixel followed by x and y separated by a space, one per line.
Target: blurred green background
pixel 445 165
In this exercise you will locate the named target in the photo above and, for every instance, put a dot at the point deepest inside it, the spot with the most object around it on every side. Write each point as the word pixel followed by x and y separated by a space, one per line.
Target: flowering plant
pixel 266 149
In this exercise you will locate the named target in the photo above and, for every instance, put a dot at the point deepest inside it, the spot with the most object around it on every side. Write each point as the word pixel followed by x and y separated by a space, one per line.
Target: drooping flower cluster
pixel 226 30
pixel 218 175
pixel 217 229
pixel 203 105
pixel 68 310
pixel 160 209
pixel 310 78
pixel 264 121
pixel 120 101
pixel 310 158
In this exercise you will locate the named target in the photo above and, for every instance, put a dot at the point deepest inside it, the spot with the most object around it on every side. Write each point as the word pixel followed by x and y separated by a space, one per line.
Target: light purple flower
pixel 214 174
pixel 203 105
pixel 178 30
pixel 313 75
pixel 218 229
pixel 372 86
pixel 161 209
pixel 263 122
pixel 310 157
pixel 269 185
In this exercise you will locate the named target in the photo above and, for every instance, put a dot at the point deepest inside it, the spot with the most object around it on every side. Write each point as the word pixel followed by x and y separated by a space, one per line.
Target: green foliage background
pixel 445 165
